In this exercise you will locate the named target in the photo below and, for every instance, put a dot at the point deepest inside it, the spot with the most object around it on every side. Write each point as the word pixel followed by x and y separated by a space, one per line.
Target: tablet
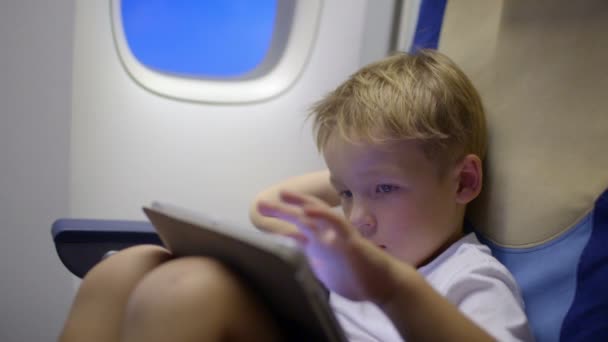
pixel 272 266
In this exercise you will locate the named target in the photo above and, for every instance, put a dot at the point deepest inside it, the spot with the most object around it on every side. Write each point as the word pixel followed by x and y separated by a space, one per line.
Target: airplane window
pixel 217 51
pixel 199 38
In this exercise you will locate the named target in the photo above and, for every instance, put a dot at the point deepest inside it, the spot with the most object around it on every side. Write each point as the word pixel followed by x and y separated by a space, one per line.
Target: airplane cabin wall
pixel 130 146
pixel 35 95
pixel 80 139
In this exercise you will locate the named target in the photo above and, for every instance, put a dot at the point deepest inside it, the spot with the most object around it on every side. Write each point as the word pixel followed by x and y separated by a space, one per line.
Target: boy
pixel 403 140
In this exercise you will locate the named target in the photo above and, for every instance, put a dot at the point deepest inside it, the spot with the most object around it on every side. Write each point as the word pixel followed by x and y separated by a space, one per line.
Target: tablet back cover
pixel 278 273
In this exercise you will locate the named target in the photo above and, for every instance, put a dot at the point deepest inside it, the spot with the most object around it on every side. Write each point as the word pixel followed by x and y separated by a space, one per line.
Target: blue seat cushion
pixel 564 281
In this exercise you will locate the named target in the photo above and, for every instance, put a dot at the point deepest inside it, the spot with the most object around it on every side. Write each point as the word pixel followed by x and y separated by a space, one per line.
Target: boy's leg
pixel 98 309
pixel 196 299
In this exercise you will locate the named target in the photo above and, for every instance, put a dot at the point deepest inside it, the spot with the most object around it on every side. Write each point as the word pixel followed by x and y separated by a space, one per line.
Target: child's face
pixel 393 195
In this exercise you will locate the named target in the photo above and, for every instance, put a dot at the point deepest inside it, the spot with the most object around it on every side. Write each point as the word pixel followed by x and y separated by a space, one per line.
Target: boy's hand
pixel 343 260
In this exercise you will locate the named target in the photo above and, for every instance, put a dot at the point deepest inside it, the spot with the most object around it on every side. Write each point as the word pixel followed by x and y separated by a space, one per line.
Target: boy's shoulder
pixel 482 288
pixel 464 261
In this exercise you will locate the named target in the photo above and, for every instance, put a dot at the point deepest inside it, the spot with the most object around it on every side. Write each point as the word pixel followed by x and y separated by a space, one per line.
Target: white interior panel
pixel 35 91
pixel 130 146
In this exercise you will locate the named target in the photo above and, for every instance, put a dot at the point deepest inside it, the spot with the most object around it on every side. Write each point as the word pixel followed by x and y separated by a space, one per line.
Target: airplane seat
pixel 587 318
pixel 541 71
pixel 82 243
pixel 563 280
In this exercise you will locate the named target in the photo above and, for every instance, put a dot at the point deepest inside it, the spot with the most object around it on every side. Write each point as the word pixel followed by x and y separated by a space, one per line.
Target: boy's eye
pixel 346 194
pixel 386 188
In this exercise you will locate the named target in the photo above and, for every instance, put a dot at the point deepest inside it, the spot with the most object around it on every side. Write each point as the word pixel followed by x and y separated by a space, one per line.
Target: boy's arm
pixel 421 314
pixel 315 184
pixel 355 268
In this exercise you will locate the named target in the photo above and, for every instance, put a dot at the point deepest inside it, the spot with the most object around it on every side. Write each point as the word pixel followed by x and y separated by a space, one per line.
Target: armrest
pixel 82 243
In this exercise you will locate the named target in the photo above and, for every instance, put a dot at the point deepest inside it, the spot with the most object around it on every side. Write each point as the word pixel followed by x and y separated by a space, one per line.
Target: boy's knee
pixel 99 305
pixel 193 284
pixel 123 269
pixel 192 296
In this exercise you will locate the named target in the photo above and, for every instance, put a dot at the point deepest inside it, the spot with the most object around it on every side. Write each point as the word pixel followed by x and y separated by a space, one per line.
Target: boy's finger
pixel 288 213
pixel 337 223
pixel 296 198
pixel 285 212
pixel 300 238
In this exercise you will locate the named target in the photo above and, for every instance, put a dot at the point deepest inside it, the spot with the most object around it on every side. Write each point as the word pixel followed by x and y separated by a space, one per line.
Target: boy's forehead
pixel 392 151
pixel 368 158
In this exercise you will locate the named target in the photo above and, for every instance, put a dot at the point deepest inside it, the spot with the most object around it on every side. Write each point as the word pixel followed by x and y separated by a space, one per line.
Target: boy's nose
pixel 364 221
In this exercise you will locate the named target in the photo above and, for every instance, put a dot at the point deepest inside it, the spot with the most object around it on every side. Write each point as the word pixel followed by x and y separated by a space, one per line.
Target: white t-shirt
pixel 469 277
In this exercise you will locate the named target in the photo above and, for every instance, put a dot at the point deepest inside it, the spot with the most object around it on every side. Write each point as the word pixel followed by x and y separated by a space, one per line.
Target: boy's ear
pixel 470 177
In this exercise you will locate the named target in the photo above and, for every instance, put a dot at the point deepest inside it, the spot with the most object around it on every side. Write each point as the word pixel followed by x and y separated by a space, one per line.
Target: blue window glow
pixel 199 38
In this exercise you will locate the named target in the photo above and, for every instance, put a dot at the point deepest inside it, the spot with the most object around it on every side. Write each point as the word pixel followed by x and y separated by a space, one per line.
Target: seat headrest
pixel 542 73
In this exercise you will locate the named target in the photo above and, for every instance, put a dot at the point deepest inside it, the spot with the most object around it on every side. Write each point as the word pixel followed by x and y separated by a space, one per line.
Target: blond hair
pixel 422 96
